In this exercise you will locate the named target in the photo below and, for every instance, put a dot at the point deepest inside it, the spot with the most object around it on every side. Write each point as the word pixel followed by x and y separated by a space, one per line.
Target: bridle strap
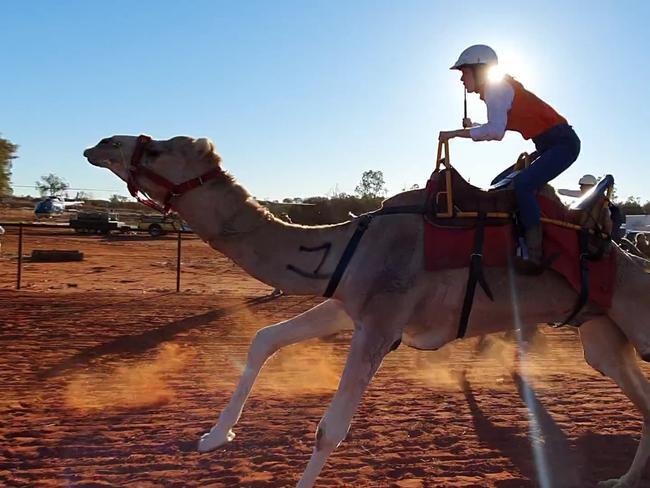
pixel 180 189
pixel 173 190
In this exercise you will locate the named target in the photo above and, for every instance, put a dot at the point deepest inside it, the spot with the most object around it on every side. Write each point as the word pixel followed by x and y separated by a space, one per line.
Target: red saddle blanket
pixel 451 247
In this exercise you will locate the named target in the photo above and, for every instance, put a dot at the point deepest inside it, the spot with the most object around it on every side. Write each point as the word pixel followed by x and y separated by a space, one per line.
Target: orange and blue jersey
pixel 511 107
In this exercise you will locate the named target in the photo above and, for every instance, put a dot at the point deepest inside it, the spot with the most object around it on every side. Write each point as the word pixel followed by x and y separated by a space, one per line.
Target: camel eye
pixel 116 144
pixel 153 153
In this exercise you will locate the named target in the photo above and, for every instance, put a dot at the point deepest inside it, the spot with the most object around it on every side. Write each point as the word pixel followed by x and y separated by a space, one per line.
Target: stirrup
pixel 529 267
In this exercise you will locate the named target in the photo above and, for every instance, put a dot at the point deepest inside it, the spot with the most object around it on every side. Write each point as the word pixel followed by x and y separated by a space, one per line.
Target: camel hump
pixel 406 198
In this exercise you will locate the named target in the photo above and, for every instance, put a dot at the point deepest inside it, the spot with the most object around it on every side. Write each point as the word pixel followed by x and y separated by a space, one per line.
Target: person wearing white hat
pixel 511 107
pixel 586 183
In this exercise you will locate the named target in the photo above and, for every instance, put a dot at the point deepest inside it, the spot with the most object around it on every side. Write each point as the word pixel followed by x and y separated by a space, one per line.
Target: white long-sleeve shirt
pixel 498 97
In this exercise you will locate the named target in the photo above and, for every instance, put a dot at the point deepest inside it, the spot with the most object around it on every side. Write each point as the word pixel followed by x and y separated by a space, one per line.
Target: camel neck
pixel 298 259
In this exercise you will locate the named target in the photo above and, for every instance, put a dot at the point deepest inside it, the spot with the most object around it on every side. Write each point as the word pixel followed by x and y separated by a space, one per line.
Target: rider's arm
pixel 445 135
pixel 570 193
pixel 498 98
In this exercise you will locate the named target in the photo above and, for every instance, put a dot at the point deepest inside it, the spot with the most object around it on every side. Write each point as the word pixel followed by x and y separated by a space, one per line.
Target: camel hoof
pixel 214 439
pixel 617 483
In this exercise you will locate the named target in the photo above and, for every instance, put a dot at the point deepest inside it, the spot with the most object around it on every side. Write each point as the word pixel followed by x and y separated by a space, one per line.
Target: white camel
pixel 385 296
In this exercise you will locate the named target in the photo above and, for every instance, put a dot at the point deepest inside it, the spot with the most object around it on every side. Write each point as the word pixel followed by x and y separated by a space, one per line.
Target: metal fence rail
pixel 38 225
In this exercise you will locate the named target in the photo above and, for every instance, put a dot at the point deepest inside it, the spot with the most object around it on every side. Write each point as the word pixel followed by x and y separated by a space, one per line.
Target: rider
pixel 511 107
pixel 586 183
pixel 642 244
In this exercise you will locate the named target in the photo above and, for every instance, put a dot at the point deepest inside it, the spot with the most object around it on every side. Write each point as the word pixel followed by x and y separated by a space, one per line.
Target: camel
pixel 384 297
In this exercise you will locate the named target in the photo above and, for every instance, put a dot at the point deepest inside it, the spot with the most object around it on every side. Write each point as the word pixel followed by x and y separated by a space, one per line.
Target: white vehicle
pixel 637 223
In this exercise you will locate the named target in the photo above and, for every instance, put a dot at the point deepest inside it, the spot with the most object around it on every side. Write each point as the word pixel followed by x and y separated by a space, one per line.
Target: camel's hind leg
pixel 322 320
pixel 607 350
pixel 630 308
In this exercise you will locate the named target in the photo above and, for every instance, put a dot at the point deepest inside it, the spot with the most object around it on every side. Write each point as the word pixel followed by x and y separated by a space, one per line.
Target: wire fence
pixel 34 254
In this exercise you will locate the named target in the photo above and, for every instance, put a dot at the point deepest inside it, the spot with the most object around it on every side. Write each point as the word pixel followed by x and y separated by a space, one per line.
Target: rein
pixel 136 169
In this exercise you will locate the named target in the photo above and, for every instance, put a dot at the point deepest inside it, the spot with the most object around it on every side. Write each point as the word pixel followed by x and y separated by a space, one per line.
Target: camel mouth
pixel 100 163
pixel 95 161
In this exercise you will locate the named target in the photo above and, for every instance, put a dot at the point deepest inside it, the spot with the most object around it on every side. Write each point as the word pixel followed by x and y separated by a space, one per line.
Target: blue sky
pixel 301 97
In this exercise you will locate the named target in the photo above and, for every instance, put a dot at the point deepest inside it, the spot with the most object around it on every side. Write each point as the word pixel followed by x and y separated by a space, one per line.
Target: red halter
pixel 173 190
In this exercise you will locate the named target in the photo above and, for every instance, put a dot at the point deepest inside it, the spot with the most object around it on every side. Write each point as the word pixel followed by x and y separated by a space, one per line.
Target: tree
pixel 371 185
pixel 414 186
pixel 631 206
pixel 83 195
pixel 336 193
pixel 116 200
pixel 7 153
pixel 315 200
pixel 51 185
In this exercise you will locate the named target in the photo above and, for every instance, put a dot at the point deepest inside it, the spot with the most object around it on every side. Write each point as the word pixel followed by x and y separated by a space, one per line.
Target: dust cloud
pixel 307 368
pixel 491 361
pixel 128 386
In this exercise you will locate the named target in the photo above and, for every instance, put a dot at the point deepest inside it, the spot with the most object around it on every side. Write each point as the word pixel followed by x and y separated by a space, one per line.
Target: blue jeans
pixel 557 149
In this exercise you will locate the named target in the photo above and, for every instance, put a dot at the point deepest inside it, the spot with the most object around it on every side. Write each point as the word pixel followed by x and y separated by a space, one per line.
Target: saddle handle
pixel 443 159
pixel 523 161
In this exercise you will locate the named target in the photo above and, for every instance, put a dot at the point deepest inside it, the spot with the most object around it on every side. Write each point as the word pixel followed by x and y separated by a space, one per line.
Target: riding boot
pixel 533 263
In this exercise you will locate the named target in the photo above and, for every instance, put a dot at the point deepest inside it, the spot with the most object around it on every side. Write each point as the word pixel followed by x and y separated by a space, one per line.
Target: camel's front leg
pixel 324 319
pixel 607 350
pixel 367 351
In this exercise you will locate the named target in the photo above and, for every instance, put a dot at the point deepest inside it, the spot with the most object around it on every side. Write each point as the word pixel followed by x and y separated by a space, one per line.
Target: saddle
pixel 453 202
pixel 471 227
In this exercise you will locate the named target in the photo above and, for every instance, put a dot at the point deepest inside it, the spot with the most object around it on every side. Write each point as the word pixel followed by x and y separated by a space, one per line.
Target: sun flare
pixel 495 73
pixel 512 63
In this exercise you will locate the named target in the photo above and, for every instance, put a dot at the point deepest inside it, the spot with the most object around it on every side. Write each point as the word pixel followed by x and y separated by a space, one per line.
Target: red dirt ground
pixel 108 378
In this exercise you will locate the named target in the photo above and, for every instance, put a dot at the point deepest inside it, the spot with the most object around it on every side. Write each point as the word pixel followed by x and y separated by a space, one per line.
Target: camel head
pixel 154 166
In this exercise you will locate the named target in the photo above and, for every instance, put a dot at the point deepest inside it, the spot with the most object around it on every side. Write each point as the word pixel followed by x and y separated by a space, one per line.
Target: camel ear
pixel 203 147
pixel 190 147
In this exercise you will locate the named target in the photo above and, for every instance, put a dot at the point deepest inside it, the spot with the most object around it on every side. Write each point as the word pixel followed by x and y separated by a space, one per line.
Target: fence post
pixel 20 255
pixel 178 263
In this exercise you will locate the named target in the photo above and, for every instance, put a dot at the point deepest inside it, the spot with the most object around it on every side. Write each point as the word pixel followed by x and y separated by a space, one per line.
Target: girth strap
pixel 364 222
pixel 583 239
pixel 475 276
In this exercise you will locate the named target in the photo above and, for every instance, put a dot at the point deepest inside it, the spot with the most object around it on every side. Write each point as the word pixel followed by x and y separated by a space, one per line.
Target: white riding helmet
pixel 476 54
pixel 588 180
